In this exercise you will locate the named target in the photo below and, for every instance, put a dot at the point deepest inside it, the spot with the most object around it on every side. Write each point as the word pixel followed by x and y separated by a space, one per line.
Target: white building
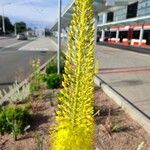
pixel 118 21
pixel 40 32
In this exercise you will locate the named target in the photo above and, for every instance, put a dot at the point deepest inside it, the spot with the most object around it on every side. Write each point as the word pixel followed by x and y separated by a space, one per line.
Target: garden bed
pixel 115 130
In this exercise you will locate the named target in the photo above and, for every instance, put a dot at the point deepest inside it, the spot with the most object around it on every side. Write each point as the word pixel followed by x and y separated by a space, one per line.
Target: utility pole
pixel 3 17
pixel 3 20
pixel 59 36
pixel 15 29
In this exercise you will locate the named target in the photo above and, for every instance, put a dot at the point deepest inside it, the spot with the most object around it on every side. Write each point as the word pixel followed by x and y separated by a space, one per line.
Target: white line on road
pixel 14 44
pixel 34 46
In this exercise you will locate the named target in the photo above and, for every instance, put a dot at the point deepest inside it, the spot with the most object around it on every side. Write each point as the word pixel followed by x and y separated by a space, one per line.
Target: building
pixel 40 32
pixel 118 21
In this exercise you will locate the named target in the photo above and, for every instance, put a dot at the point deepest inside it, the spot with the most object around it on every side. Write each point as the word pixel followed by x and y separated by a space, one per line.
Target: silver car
pixel 21 36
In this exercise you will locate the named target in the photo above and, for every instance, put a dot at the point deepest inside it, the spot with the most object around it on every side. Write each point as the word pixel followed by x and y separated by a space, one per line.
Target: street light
pixel 3 20
pixel 59 36
pixel 15 26
pixel 3 17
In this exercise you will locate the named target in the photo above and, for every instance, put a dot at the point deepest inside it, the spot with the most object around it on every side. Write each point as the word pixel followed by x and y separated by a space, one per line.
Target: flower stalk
pixel 74 123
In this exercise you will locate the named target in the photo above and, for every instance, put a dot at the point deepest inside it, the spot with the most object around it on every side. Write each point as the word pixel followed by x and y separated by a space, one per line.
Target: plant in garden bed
pixel 53 80
pixel 74 124
pixel 14 120
pixel 20 95
pixel 38 141
pixel 37 77
pixel 52 66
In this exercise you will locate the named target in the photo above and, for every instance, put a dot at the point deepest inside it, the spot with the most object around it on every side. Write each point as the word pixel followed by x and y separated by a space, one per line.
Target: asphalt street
pixel 16 65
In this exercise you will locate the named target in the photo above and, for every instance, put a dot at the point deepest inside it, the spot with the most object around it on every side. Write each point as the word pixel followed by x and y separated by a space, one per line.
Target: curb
pixel 125 104
pixel 25 81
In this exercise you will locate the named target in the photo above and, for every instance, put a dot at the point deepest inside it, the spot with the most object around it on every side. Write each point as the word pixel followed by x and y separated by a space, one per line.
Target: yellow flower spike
pixel 74 124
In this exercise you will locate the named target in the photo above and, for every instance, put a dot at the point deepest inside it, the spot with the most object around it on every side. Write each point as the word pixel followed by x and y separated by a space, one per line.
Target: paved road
pixel 128 73
pixel 16 65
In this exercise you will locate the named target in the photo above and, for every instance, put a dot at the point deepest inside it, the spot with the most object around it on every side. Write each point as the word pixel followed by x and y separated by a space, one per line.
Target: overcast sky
pixel 34 12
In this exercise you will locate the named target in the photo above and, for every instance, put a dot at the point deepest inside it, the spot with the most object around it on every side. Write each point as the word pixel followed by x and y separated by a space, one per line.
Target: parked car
pixel 22 36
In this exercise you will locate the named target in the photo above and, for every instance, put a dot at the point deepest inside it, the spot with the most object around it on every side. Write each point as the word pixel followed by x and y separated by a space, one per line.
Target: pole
pixel 117 35
pixel 15 29
pixel 95 29
pixel 59 36
pixel 3 20
pixel 141 35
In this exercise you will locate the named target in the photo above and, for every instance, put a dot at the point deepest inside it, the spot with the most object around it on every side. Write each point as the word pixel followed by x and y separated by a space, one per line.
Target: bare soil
pixel 114 130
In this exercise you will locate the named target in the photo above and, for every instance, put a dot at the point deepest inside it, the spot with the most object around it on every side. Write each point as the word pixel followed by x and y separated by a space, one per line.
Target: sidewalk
pixel 40 44
pixel 128 73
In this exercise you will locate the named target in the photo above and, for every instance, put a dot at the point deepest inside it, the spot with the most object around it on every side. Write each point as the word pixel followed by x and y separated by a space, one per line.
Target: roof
pixel 99 6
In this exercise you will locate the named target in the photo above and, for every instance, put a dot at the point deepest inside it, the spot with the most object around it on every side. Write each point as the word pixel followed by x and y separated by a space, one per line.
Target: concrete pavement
pixel 41 44
pixel 128 73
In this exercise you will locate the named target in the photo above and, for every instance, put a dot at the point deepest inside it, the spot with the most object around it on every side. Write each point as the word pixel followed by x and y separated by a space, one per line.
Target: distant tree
pixel 8 25
pixel 21 27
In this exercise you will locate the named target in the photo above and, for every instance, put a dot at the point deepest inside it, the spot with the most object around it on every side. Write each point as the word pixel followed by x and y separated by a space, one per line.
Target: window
pixel 146 36
pixel 132 10
pixel 113 34
pixel 136 34
pixel 110 16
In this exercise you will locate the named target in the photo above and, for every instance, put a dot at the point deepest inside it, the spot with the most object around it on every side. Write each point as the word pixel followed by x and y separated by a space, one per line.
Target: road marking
pixel 36 48
pixel 14 44
pixel 24 48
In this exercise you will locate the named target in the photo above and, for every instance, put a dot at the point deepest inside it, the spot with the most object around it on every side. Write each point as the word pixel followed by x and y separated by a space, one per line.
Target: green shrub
pixel 52 68
pixel 53 80
pixel 14 120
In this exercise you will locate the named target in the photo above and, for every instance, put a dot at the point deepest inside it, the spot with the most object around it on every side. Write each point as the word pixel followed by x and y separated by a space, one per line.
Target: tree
pixel 21 27
pixel 8 25
pixel 74 123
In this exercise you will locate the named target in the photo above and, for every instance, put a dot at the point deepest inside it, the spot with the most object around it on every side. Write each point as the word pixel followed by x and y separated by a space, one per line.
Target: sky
pixel 36 13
